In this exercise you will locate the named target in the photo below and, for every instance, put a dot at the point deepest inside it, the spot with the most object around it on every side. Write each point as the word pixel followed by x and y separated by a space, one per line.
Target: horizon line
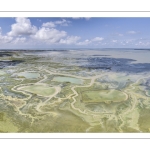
pixel 68 48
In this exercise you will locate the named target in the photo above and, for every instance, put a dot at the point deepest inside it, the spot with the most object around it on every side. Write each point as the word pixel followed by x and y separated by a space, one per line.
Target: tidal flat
pixel 75 91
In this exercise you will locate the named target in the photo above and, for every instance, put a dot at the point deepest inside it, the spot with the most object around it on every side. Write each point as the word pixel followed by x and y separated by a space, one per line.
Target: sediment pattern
pixel 61 92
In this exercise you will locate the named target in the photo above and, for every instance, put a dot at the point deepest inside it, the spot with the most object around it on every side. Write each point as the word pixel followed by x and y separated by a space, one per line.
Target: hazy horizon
pixel 74 48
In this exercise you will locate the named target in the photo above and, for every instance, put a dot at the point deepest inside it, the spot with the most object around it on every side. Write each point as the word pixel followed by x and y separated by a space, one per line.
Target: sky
pixel 76 32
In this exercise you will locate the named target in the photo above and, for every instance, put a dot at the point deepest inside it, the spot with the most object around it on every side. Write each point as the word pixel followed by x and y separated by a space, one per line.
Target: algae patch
pixel 41 89
pixel 103 95
pixel 68 79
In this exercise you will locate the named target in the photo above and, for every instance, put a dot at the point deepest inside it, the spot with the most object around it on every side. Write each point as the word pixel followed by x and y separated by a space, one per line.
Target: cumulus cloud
pixel 70 40
pixel 19 40
pixel 5 38
pixel 97 39
pixel 116 34
pixel 144 42
pixel 23 32
pixel 131 32
pixel 39 20
pixel 114 41
pixel 120 34
pixel 51 24
pixel 22 27
pixel 85 42
pixel 62 22
pixel 49 35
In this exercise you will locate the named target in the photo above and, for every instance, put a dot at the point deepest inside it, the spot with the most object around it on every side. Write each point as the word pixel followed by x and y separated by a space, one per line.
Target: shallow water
pixel 29 75
pixel 2 72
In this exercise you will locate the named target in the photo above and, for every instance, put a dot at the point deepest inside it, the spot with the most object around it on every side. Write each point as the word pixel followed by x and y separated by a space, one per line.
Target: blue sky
pixel 74 33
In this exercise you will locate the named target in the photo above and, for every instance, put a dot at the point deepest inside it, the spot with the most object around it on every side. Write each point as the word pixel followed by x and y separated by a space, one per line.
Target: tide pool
pixel 29 75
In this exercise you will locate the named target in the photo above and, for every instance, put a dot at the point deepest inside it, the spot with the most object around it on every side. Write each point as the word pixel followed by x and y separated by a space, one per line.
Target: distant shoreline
pixel 69 49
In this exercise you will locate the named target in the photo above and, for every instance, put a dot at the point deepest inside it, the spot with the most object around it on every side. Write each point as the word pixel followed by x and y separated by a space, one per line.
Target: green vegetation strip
pixel 103 95
pixel 42 90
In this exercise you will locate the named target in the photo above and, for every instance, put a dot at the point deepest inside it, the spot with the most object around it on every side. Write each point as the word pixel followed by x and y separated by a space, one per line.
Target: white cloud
pixel 63 22
pixel 143 43
pixel 5 38
pixel 19 40
pixel 70 40
pixel 85 42
pixel 116 34
pixel 22 27
pixel 114 41
pixel 49 35
pixel 120 34
pixel 131 32
pixel 39 20
pixel 49 24
pixel 97 39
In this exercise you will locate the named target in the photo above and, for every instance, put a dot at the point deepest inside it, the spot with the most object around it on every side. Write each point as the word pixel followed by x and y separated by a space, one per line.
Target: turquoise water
pixel 29 75
pixel 68 79
pixel 148 92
